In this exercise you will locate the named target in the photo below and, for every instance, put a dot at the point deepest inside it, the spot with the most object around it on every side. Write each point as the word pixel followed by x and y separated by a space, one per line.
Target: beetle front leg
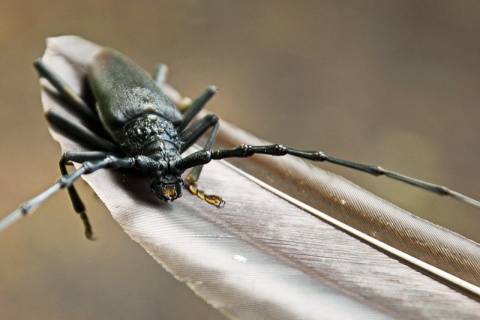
pixel 65 181
pixel 194 175
pixel 190 136
pixel 77 203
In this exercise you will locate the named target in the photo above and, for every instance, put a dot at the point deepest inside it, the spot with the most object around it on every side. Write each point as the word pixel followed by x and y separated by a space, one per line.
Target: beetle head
pixel 167 187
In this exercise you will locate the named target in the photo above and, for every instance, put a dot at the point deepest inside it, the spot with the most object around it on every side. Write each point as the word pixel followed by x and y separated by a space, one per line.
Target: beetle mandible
pixel 147 132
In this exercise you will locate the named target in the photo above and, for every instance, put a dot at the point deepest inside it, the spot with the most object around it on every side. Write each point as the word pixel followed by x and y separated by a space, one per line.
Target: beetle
pixel 145 131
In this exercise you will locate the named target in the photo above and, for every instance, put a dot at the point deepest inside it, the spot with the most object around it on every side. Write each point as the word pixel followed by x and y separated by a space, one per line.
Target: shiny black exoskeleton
pixel 140 119
pixel 146 131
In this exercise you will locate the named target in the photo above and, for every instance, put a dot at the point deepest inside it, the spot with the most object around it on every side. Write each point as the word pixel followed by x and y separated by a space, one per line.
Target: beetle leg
pixel 243 151
pixel 196 107
pixel 194 132
pixel 65 91
pixel 189 137
pixel 65 181
pixel 77 203
pixel 160 75
pixel 77 130
pixel 194 174
pixel 78 206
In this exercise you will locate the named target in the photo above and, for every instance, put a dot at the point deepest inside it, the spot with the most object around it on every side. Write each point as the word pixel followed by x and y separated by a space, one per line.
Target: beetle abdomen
pixel 124 91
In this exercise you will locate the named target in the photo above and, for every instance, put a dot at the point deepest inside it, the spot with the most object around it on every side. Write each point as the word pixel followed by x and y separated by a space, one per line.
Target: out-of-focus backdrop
pixel 395 83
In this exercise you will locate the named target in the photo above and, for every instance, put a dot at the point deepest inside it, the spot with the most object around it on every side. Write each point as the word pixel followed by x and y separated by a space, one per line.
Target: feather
pixel 267 255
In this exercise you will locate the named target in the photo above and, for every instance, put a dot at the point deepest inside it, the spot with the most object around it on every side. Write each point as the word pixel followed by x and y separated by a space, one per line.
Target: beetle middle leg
pixel 81 133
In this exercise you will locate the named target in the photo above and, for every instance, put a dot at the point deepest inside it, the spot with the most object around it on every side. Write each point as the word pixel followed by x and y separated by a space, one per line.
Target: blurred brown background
pixel 381 82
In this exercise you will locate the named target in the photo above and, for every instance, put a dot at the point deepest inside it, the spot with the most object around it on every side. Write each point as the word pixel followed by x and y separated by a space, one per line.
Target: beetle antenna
pixel 66 181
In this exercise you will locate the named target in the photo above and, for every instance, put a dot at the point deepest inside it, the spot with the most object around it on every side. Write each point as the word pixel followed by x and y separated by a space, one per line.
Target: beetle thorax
pixel 152 136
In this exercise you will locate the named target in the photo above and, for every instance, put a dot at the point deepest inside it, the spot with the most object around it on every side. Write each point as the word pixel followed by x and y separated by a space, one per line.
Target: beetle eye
pixel 154 182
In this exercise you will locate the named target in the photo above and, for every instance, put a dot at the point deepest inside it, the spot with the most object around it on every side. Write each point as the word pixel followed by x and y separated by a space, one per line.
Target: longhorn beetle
pixel 147 132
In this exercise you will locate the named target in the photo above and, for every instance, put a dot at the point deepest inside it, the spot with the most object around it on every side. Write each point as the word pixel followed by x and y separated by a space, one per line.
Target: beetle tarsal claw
pixel 210 198
pixel 215 200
